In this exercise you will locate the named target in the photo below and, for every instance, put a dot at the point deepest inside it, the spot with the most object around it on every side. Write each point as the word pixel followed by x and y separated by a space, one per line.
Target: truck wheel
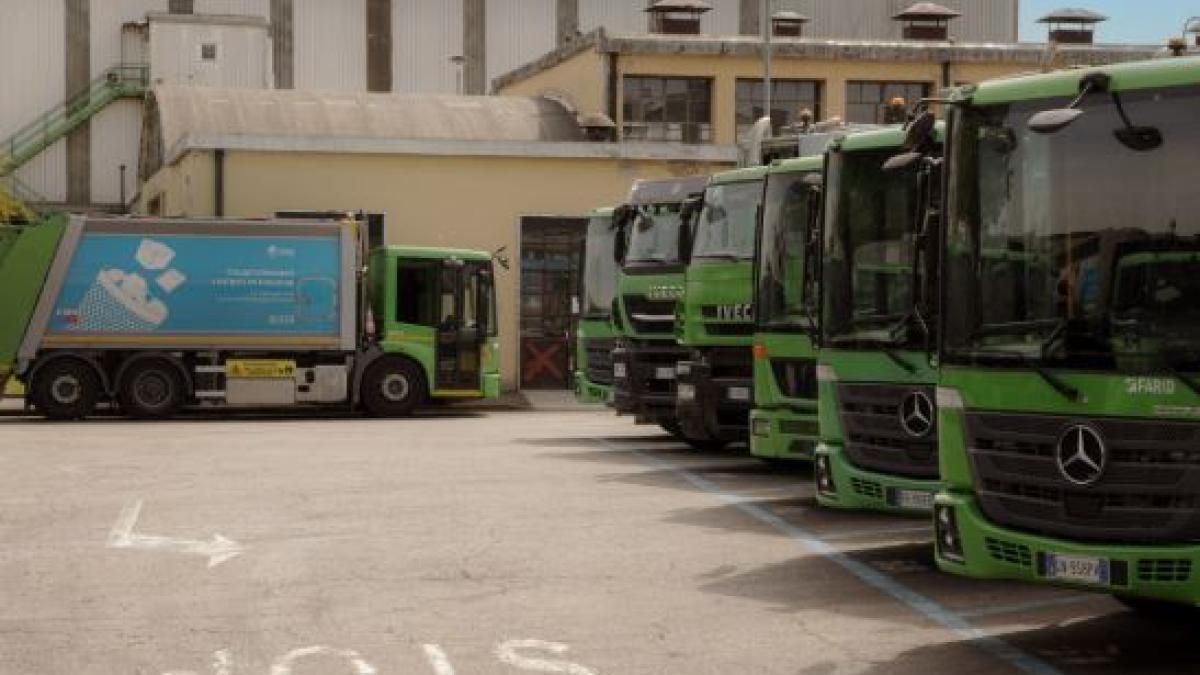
pixel 66 389
pixel 151 389
pixel 672 428
pixel 393 388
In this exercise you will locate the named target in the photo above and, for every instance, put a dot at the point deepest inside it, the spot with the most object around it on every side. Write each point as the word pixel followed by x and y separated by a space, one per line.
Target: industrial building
pixel 244 107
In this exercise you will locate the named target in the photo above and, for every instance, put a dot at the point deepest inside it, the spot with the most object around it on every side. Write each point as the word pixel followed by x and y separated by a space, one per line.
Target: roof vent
pixel 597 127
pixel 926 21
pixel 1073 26
pixel 676 17
pixel 786 23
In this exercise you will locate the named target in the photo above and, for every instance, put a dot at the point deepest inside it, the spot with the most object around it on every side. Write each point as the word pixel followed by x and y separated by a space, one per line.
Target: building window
pixel 668 109
pixel 788 98
pixel 208 51
pixel 866 102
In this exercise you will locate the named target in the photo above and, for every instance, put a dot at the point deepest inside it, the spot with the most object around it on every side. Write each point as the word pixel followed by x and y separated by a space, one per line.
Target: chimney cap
pixel 595 120
pixel 788 16
pixel 697 6
pixel 927 11
pixel 1073 15
pixel 1193 25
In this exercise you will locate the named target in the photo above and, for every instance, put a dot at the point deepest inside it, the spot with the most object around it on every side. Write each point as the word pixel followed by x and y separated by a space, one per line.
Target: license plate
pixel 664 373
pixel 738 393
pixel 912 500
pixel 1078 569
pixel 618 370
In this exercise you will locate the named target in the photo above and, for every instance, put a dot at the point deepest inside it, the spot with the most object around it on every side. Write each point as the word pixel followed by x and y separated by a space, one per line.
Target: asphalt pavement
pixel 554 539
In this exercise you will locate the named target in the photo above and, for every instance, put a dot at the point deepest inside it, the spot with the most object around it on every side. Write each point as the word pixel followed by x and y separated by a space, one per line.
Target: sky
pixel 1138 21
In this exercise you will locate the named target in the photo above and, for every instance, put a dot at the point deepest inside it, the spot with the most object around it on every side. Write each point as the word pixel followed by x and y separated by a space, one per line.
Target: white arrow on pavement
pixel 218 550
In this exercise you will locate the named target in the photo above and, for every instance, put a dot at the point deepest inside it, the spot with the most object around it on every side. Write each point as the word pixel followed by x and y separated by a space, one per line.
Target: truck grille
pixel 796 378
pixel 649 316
pixel 599 360
pixel 1149 491
pixel 731 363
pixel 875 438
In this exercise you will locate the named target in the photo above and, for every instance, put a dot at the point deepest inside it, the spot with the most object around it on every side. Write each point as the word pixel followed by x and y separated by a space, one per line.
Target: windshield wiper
pixel 1056 383
pixel 721 255
pixel 895 358
pixel 1057 334
pixel 913 316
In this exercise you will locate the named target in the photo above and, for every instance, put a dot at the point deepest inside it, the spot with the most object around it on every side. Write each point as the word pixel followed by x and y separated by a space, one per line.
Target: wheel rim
pixel 66 389
pixel 395 387
pixel 152 390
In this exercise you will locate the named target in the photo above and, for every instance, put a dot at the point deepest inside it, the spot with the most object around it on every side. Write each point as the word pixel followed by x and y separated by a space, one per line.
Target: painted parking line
pixel 952 621
pixel 1032 606
pixel 913 532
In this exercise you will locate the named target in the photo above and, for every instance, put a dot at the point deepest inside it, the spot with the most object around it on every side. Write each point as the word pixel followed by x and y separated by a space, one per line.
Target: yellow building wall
pixel 580 80
pixel 724 71
pixel 467 202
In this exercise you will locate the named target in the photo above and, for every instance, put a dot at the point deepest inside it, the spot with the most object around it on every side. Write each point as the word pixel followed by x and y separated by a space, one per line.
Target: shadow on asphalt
pixel 1119 642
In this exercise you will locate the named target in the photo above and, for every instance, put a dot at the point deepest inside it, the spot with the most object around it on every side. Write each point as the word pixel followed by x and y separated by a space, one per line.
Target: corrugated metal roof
pixel 182 110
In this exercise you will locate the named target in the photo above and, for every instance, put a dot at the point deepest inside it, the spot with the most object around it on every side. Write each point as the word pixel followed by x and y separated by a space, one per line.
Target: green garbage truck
pixel 715 317
pixel 784 422
pixel 1069 386
pixel 877 418
pixel 658 218
pixel 595 333
pixel 150 316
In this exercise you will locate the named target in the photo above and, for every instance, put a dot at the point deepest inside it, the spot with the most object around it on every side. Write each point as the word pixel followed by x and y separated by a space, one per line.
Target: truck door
pixel 460 332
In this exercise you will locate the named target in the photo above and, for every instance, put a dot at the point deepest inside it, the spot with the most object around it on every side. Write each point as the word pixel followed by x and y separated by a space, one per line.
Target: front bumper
pixel 713 407
pixel 986 551
pixel 782 434
pixel 491 385
pixel 644 381
pixel 857 489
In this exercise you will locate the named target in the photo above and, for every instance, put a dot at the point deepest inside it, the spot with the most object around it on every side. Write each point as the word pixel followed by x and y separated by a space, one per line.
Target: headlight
pixel 683 368
pixel 761 427
pixel 686 392
pixel 824 476
pixel 945 526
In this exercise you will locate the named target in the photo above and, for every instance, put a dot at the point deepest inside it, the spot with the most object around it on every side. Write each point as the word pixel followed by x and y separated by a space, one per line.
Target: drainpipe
pixel 219 182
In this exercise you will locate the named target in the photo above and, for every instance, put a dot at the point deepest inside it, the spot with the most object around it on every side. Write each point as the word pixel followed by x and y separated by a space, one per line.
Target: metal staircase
pixel 119 81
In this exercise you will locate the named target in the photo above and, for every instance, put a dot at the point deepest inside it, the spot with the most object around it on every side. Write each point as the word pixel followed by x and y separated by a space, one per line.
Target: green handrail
pixel 124 80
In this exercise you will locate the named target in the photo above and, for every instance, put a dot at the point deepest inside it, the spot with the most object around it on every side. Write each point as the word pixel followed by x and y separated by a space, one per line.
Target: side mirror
pixel 620 247
pixel 920 130
pixel 1053 121
pixel 902 161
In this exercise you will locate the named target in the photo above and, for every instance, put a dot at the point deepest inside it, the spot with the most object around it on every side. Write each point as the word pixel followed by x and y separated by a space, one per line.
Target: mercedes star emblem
pixel 917 414
pixel 1082 456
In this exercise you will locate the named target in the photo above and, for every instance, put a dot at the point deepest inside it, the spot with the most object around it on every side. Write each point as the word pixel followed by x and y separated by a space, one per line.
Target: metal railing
pixel 124 80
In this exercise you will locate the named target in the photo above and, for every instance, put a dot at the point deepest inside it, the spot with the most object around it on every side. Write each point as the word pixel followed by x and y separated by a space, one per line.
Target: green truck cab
pixel 657 219
pixel 784 422
pixel 878 436
pixel 715 317
pixel 1069 404
pixel 149 316
pixel 595 335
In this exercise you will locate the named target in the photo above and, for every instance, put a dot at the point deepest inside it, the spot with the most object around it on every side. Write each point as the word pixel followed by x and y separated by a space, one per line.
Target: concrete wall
pixel 473 202
pixel 579 80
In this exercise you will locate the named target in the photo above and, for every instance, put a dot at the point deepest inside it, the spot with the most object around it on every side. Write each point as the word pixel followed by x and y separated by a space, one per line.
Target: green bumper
pixel 991 552
pixel 491 385
pixel 587 391
pixel 781 434
pixel 858 489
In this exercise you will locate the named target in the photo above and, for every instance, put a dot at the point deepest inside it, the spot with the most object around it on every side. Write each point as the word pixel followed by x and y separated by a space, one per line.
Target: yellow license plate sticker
pixel 260 369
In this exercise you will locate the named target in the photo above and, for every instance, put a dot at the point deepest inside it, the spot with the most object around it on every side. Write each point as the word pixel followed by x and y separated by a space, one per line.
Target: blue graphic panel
pixel 201 284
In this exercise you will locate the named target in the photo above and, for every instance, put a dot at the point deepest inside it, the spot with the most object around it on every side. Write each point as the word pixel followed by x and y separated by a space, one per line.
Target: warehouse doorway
pixel 550 270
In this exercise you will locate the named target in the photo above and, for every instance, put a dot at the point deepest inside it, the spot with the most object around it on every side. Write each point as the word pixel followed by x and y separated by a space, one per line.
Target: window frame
pixel 880 105
pixel 705 127
pixel 817 107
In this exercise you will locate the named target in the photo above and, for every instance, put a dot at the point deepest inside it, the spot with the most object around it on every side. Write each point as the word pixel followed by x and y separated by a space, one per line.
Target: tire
pixel 672 428
pixel 66 389
pixel 393 388
pixel 1160 610
pixel 152 389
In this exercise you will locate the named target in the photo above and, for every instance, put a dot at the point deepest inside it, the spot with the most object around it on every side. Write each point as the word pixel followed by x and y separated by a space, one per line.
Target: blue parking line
pixel 920 604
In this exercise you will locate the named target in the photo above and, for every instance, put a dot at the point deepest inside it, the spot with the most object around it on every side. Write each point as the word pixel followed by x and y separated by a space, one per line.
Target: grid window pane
pixel 788 98
pixel 668 109
pixel 866 102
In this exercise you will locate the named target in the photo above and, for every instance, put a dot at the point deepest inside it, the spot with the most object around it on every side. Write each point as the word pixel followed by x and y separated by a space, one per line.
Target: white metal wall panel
pixel 518 31
pixel 243 55
pixel 629 16
pixel 330 38
pixel 425 34
pixel 32 80
pixel 241 7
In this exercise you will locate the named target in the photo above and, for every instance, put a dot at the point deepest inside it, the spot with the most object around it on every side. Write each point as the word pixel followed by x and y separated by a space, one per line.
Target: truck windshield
pixel 869 237
pixel 654 236
pixel 726 227
pixel 1071 249
pixel 599 270
pixel 782 290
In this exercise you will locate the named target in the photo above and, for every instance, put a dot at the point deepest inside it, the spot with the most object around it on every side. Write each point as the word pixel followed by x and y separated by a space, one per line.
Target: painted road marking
pixel 438 660
pixel 283 665
pixel 509 652
pixel 881 581
pixel 218 550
